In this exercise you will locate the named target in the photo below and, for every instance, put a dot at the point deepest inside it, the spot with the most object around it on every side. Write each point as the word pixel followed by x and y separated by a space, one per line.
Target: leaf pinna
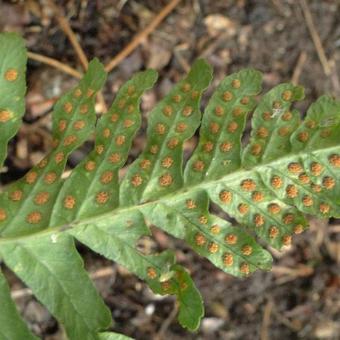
pixel 289 168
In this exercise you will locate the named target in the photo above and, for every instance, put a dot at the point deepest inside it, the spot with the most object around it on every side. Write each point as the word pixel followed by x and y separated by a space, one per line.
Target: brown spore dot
pixel 215 229
pixel 167 110
pixel 102 197
pixel 266 116
pixel 77 93
pixel 41 198
pixel 68 107
pixel 226 196
pixel 237 112
pixel 287 95
pixel 121 103
pixel 89 92
pixel 273 232
pixel 200 239
pixel 324 208
pixel 84 109
pixel 288 219
pixel 62 125
pixel 69 140
pixel 307 201
pixel 311 124
pixel 213 247
pixel 276 182
pixel 227 96
pixel 295 168
pixel 69 202
pixel 187 111
pixel 325 133
pixel 167 162
pixel 274 208
pixel 262 132
pixel 5 116
pixel 106 133
pixel 114 158
pixel 195 94
pixel 3 215
pixel 136 180
pixel 287 240
pixel 130 108
pixel 177 98
pixel 145 164
pixel 31 177
pixel 292 191
pixel 244 268
pixel 228 259
pixel 165 180
pixel 79 124
pixel 257 196
pixel 226 146
pixel 186 87
pixel 160 129
pixel 334 160
pixel 151 272
pixel 120 140
pixel 208 147
pixel 190 204
pixel 90 165
pixel 248 185
pixel 298 229
pixel 34 217
pixel 106 177
pixel 154 149
pixel 128 123
pixel 259 220
pixel 316 168
pixel 42 163
pixel 203 219
pixel 303 136
pixel 100 148
pixel 277 104
pixel 256 149
pixel 236 83
pixel 199 166
pixel 245 100
pixel 230 239
pixel 283 131
pixel 59 157
pixel 172 143
pixel 50 177
pixel 166 286
pixel 232 127
pixel 181 127
pixel 11 74
pixel 287 116
pixel 247 250
pixel 114 117
pixel 16 195
pixel 219 111
pixel 328 182
pixel 304 178
pixel 316 187
pixel 243 208
pixel 214 127
pixel 131 90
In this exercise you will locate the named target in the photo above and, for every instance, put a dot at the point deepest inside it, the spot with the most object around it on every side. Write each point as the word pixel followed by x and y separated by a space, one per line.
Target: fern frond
pixel 288 169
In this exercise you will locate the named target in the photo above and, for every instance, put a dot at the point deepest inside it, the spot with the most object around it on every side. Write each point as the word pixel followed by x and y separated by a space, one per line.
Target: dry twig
pixel 142 35
pixel 298 68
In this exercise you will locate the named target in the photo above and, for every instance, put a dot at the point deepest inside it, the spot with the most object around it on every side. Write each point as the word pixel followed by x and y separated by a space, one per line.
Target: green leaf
pixel 11 325
pixel 113 336
pixel 53 269
pixel 288 169
pixel 13 59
